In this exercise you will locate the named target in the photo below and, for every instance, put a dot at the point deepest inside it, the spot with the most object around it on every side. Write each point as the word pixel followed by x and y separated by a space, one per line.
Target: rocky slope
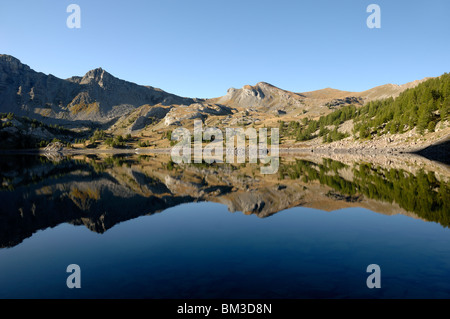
pixel 97 96
pixel 264 97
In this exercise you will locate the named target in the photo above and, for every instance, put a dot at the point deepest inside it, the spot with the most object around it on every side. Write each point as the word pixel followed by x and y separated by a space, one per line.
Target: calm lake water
pixel 139 227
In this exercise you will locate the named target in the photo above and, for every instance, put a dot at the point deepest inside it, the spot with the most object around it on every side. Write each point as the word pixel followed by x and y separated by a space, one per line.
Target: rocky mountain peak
pixel 262 95
pixel 11 64
pixel 98 76
pixel 97 96
pixel 265 85
pixel 260 86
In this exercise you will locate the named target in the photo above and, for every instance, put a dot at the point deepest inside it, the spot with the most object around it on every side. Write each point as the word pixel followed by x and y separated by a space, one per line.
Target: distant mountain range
pixel 100 97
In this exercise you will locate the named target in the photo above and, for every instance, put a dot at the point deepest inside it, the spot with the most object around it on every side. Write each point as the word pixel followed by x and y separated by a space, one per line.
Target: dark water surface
pixel 139 228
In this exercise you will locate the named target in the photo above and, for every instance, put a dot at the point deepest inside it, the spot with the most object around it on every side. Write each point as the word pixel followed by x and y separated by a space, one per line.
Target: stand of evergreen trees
pixel 420 107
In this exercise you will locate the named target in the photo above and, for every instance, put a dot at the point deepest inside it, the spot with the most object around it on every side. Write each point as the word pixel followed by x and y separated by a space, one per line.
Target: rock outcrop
pixel 54 147
pixel 263 96
pixel 194 111
pixel 345 101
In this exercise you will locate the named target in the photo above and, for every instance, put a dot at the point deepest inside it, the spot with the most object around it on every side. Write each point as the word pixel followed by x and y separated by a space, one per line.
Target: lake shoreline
pixel 438 152
pixel 282 150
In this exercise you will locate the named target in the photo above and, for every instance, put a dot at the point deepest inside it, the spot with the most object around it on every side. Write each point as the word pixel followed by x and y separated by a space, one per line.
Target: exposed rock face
pixel 345 101
pixel 97 96
pixel 117 97
pixel 261 96
pixel 23 90
pixel 54 147
pixel 194 111
pixel 181 113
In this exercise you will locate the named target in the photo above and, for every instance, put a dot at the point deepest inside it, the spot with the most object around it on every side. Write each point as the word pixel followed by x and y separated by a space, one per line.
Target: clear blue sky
pixel 201 48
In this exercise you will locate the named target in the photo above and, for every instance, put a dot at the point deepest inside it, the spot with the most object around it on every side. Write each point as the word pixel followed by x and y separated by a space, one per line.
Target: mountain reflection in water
pixel 100 191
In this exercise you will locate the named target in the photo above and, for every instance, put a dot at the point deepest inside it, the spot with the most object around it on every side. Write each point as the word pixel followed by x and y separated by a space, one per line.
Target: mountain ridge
pixel 99 97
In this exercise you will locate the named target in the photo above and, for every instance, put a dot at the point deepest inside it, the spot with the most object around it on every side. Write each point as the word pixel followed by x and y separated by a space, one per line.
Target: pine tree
pixel 431 126
pixel 424 119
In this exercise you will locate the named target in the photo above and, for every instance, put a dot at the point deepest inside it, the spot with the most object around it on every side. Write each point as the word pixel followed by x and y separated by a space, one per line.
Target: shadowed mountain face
pixel 38 193
pixel 97 96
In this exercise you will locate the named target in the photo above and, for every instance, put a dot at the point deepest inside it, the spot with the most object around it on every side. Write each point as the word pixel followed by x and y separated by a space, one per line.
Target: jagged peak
pixel 265 84
pixel 259 85
pixel 8 58
pixel 12 62
pixel 95 72
pixel 97 75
